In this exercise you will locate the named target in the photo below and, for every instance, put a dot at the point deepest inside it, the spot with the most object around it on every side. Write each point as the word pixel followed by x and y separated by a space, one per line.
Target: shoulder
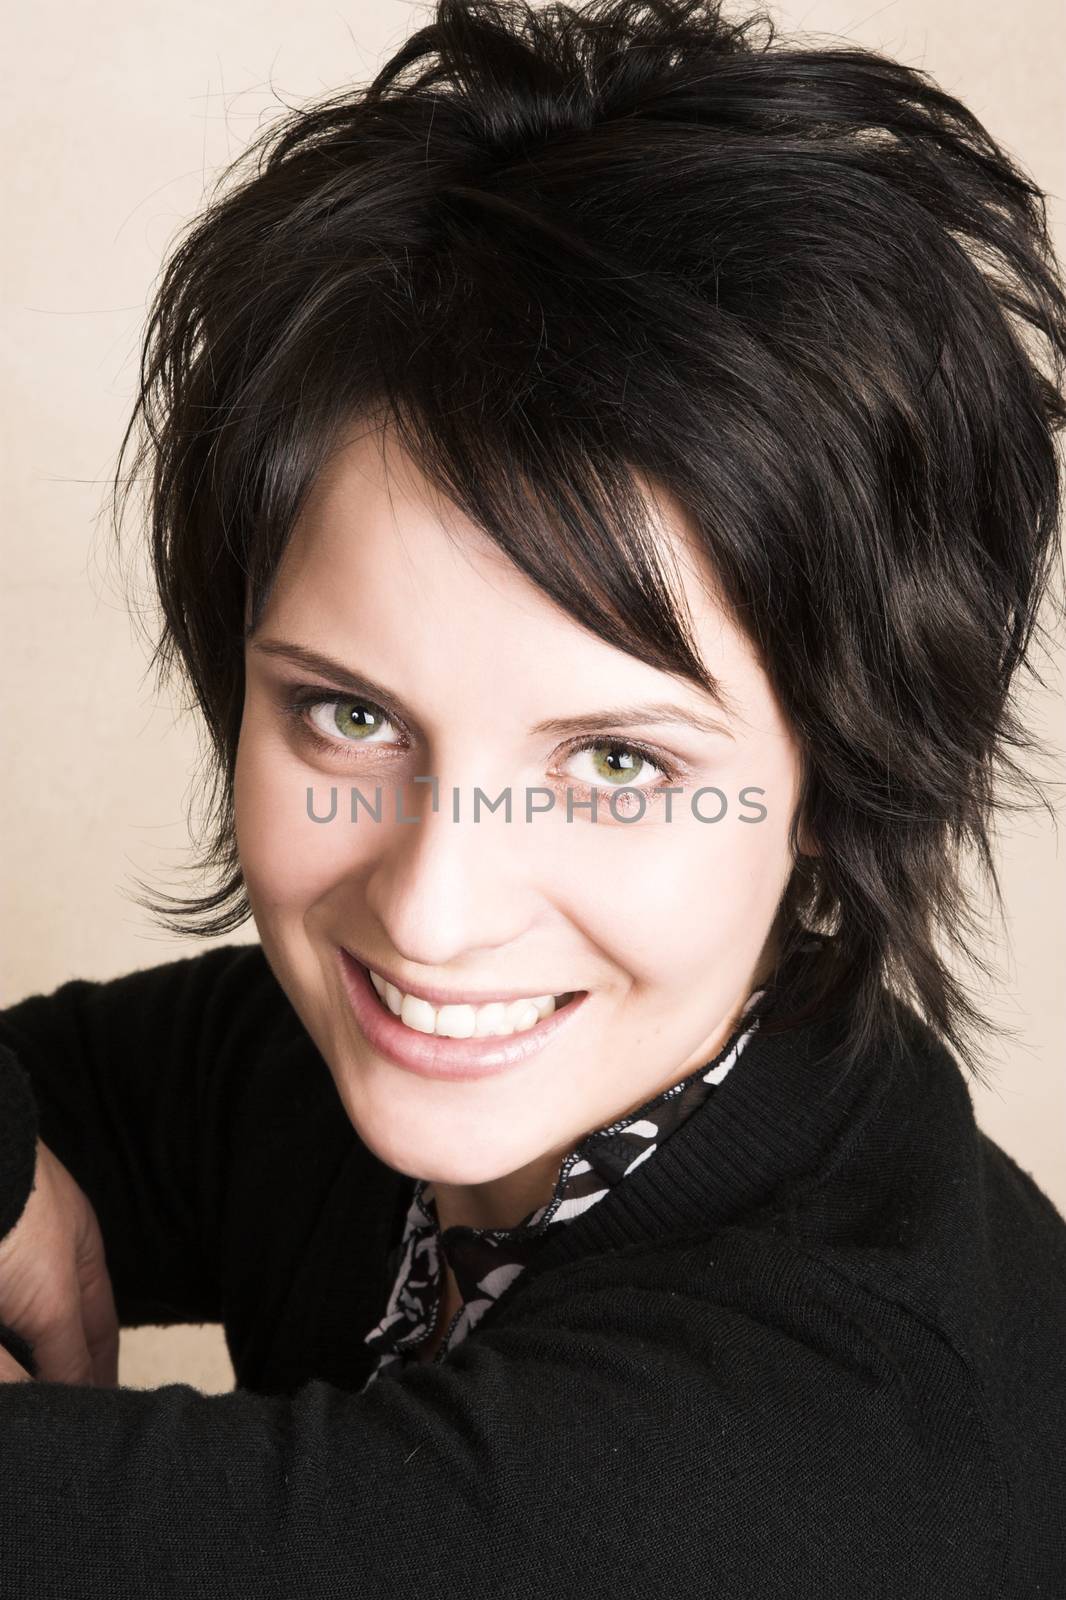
pixel 819 1437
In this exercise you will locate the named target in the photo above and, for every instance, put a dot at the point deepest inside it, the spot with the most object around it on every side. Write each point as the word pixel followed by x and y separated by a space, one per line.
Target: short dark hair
pixel 801 287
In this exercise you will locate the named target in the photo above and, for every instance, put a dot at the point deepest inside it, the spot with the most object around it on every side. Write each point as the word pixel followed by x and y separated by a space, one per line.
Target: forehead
pixel 380 555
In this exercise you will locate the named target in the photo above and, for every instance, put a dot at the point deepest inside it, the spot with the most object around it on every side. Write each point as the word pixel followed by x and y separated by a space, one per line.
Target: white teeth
pixel 496 1019
pixel 417 1014
pixel 490 1019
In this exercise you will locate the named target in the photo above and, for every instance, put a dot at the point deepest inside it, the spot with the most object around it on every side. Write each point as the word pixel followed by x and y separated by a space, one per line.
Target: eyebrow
pixel 652 711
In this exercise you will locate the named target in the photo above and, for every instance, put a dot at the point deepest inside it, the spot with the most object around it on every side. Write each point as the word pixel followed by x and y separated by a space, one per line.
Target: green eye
pixel 335 721
pixel 629 764
pixel 619 765
pixel 352 719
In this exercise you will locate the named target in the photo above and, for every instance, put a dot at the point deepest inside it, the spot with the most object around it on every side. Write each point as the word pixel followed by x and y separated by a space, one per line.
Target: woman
pixel 587 1182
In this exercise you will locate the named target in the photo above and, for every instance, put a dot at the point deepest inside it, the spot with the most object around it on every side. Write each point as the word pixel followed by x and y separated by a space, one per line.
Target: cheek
pixel 698 892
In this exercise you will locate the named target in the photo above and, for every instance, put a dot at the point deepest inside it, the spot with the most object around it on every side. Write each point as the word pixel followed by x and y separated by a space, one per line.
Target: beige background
pixel 115 118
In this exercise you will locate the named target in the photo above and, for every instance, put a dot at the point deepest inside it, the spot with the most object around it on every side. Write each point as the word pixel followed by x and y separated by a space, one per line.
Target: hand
pixel 55 1289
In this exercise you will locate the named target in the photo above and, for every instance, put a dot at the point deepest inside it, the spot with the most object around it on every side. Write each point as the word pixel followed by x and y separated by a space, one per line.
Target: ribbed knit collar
pixel 783 1117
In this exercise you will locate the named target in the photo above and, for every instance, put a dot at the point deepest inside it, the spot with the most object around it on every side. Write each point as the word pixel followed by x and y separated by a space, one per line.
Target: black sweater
pixel 814 1348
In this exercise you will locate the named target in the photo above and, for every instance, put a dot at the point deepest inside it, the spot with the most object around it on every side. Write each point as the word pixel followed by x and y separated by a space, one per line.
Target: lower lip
pixel 430 1056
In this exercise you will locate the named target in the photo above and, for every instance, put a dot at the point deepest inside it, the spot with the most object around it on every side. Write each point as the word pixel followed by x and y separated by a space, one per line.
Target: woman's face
pixel 665 923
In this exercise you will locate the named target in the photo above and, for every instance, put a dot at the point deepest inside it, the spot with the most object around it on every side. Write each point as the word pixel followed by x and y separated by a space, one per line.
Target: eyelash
pixel 303 700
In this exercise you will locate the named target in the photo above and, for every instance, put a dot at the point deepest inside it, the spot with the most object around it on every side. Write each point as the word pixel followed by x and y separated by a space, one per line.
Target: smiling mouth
pixel 498 1019
pixel 456 1056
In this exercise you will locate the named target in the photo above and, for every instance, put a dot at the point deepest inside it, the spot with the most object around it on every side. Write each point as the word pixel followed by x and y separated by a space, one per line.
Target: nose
pixel 450 882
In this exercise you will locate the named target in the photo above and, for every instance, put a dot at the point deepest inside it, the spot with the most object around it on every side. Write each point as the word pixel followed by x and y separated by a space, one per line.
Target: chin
pixel 433 1151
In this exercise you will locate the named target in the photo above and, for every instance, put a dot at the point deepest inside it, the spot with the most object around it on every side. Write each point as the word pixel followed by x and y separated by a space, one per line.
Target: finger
pixel 59 1346
pixel 99 1321
pixel 10 1371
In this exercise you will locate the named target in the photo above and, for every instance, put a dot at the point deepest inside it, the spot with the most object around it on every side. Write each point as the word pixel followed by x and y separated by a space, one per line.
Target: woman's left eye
pixel 622 764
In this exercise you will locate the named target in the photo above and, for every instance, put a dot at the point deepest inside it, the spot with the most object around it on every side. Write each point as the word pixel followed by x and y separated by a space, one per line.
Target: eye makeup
pixel 299 701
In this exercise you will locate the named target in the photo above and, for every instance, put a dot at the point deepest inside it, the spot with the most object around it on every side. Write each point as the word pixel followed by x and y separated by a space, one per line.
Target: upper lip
pixel 447 997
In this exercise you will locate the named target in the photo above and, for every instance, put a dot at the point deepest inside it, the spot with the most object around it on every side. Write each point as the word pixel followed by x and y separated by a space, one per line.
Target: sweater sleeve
pixel 124 1080
pixel 606 1442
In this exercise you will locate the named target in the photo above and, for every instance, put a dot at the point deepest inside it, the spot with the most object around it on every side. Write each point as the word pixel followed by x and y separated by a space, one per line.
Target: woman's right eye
pixel 336 723
pixel 353 721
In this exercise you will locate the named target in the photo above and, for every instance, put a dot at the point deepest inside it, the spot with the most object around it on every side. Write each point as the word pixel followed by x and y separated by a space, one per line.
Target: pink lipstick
pixel 429 1055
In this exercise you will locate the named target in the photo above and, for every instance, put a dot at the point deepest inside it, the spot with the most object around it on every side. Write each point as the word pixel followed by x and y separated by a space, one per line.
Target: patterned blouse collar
pixel 486 1261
